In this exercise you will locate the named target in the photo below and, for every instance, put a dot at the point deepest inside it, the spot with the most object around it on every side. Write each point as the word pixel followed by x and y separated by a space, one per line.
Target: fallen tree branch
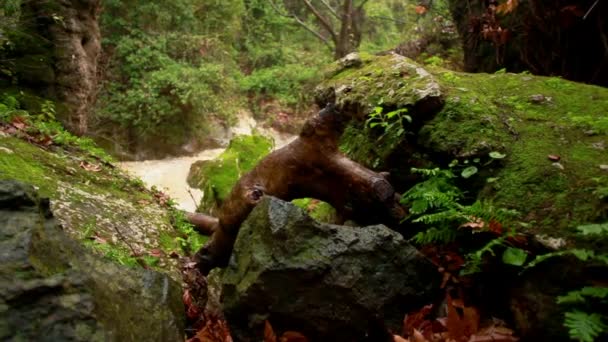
pixel 310 166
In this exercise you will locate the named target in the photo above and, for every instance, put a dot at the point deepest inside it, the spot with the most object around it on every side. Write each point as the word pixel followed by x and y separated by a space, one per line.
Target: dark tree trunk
pixel 58 56
pixel 310 166
pixel 567 38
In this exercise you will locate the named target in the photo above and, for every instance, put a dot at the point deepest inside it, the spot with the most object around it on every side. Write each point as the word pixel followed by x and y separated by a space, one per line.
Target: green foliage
pixel 583 326
pixel 45 124
pixel 584 294
pixel 434 202
pixel 284 82
pixel 391 122
pixel 188 239
pixel 583 320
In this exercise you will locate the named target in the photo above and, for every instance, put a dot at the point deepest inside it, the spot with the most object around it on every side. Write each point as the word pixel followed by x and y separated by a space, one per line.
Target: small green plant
pixel 188 239
pixel 434 61
pixel 435 203
pixel 585 317
pixel 391 122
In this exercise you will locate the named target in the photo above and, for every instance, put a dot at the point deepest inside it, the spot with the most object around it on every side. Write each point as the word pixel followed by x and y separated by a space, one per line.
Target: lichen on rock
pixel 52 289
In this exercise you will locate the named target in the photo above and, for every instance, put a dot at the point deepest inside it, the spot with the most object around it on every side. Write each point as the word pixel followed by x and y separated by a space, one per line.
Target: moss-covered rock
pixel 217 177
pixel 96 203
pixel 52 289
pixel 524 117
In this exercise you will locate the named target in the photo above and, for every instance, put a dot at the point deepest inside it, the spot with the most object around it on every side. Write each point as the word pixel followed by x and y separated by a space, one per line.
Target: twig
pixel 590 9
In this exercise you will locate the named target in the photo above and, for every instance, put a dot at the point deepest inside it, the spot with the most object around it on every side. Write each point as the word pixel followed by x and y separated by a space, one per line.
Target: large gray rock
pixel 329 282
pixel 51 289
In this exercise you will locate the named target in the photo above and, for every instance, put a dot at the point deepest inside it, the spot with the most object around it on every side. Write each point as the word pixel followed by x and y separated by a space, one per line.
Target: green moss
pixel 318 210
pixel 525 117
pixel 217 177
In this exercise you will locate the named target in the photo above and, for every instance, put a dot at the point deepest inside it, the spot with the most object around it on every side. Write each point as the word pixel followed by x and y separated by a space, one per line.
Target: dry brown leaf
pixel 293 336
pixel 156 253
pixel 507 7
pixel 421 9
pixel 418 337
pixel 90 166
pixel 461 326
pixel 475 224
pixel 19 123
pixel 397 338
pixel 269 335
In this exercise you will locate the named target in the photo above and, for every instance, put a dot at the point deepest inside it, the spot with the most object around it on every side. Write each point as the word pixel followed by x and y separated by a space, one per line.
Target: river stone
pixel 51 289
pixel 329 282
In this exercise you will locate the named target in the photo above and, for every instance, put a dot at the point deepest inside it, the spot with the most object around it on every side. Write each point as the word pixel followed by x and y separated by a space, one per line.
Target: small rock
pixel 554 157
pixel 604 167
pixel 351 60
pixel 537 98
pixel 558 165
pixel 599 145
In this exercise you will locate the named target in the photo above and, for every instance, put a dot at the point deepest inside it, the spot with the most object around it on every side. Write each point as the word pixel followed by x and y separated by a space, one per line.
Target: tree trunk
pixel 349 38
pixel 567 38
pixel 59 56
pixel 310 166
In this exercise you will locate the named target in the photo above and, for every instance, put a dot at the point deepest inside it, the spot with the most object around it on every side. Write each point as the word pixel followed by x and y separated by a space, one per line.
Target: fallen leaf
pixel 476 224
pixel 173 255
pixel 554 157
pixel 98 239
pixel 156 253
pixel 90 166
pixel 397 338
pixel 420 9
pixel 19 123
pixel 293 336
pixel 418 337
pixel 463 321
pixel 495 227
pixel 269 335
pixel 507 6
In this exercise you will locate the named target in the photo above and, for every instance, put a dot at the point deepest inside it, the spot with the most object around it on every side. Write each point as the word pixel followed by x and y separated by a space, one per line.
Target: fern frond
pixel 593 229
pixel 448 216
pixel 583 326
pixel 580 296
pixel 434 235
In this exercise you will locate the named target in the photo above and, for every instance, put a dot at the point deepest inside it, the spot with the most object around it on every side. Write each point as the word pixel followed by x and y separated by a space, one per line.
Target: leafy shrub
pixel 285 82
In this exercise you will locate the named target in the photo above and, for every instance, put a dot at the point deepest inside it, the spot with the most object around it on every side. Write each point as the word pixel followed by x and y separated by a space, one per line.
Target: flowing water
pixel 169 174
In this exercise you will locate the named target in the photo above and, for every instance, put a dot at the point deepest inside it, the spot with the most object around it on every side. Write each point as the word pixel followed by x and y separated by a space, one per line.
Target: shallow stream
pixel 169 174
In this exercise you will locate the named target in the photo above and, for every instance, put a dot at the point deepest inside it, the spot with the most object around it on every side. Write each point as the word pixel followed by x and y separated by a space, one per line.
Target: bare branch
pixel 331 9
pixel 362 4
pixel 302 23
pixel 322 20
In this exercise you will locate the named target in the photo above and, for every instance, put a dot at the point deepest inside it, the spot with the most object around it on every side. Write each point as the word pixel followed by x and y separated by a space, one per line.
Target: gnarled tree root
pixel 310 166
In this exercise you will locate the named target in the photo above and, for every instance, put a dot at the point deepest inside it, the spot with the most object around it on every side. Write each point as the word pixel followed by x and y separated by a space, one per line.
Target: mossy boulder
pixel 552 133
pixel 53 289
pixel 217 177
pixel 329 282
pixel 96 203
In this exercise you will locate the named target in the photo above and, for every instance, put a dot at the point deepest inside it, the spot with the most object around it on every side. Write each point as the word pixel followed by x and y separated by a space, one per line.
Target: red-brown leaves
pixel 461 324
pixel 288 336
pixel 507 7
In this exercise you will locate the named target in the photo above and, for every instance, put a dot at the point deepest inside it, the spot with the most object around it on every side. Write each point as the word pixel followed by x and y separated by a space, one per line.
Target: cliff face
pixel 57 55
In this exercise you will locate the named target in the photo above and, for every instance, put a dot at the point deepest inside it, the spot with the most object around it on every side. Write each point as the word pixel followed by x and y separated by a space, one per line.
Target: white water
pixel 169 174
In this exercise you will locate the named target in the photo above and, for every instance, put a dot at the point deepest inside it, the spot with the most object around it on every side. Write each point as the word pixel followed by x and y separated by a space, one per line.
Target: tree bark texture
pixel 310 166
pixel 63 35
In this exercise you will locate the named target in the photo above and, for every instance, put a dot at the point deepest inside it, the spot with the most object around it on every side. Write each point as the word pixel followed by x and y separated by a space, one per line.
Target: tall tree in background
pixel 339 22
pixel 53 47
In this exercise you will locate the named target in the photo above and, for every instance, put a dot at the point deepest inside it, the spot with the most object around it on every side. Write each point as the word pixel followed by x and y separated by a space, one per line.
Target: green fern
pixel 435 235
pixel 587 292
pixel 593 229
pixel 583 326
